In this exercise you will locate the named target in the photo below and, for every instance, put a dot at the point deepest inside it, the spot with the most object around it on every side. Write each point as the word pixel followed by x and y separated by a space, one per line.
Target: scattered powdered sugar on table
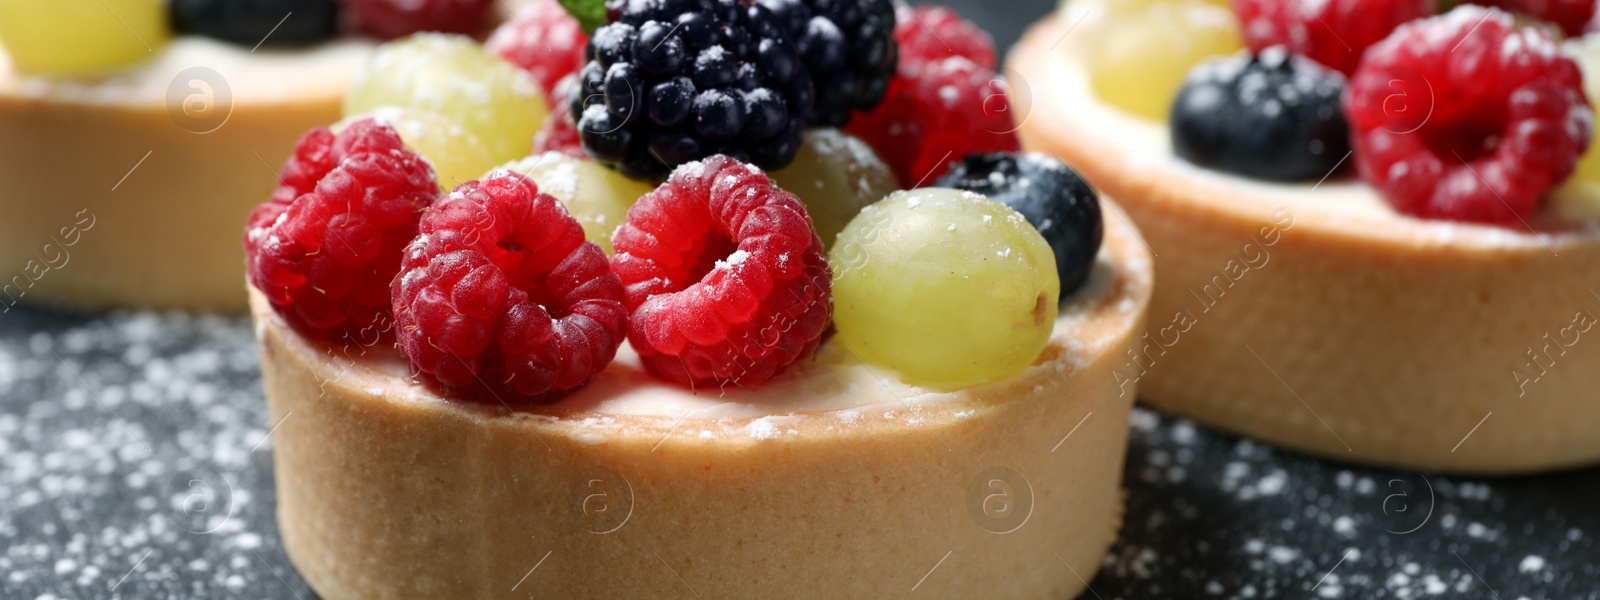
pixel 138 465
pixel 136 460
pixel 1215 516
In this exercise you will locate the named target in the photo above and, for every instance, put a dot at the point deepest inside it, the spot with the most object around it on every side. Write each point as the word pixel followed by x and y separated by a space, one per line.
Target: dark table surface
pixel 137 464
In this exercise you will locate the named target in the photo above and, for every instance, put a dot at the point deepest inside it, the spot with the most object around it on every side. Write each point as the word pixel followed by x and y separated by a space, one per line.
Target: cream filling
pixel 265 75
pixel 1147 148
pixel 834 380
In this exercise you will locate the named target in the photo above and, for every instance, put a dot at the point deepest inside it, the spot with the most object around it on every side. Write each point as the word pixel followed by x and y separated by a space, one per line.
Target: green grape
pixel 82 37
pixel 1126 8
pixel 453 77
pixel 456 155
pixel 947 287
pixel 596 195
pixel 1140 58
pixel 835 174
pixel 1579 198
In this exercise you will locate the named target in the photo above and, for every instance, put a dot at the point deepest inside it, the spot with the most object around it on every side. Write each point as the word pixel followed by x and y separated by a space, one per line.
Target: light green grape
pixel 82 37
pixel 947 287
pixel 836 175
pixel 453 77
pixel 596 195
pixel 1579 198
pixel 1141 57
pixel 456 155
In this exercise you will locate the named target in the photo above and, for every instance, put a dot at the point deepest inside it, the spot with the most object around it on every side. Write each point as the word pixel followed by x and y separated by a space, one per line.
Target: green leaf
pixel 591 14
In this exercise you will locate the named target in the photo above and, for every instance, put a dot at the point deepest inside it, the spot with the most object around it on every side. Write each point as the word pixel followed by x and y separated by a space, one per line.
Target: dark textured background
pixel 137 464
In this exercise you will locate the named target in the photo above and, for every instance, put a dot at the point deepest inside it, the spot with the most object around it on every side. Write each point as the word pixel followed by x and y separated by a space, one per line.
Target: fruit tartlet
pixel 698 350
pixel 1375 225
pixel 135 134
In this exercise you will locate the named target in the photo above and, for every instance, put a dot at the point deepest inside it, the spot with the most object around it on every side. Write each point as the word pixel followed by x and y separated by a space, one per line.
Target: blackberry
pixel 849 47
pixel 266 22
pixel 671 81
pixel 1273 115
pixel 1050 195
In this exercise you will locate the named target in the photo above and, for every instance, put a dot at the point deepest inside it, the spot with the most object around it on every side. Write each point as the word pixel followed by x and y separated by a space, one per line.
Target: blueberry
pixel 1050 195
pixel 251 22
pixel 1272 116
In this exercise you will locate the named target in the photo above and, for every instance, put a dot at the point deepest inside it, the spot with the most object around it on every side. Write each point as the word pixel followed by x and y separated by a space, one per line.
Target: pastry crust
pixel 164 203
pixel 386 490
pixel 1314 318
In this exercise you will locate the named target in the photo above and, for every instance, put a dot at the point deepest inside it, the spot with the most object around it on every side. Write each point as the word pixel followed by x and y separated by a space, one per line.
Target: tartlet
pixel 835 475
pixel 155 193
pixel 1315 317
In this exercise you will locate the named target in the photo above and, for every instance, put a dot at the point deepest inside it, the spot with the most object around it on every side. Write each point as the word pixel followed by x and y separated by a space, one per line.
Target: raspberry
pixel 542 39
pixel 560 132
pixel 500 298
pixel 953 108
pixel 930 33
pixel 1572 16
pixel 1333 32
pixel 325 259
pixel 317 153
pixel 1508 117
pixel 725 277
pixel 390 19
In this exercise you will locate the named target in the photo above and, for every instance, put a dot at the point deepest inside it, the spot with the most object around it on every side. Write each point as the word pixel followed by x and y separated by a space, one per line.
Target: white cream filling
pixel 267 74
pixel 834 380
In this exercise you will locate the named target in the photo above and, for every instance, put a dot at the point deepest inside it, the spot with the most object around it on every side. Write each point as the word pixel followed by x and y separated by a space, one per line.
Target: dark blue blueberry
pixel 1050 195
pixel 251 22
pixel 1271 116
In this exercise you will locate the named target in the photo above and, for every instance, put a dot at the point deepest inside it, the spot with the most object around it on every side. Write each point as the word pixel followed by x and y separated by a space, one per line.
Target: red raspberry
pixel 1572 16
pixel 725 276
pixel 390 19
pixel 953 108
pixel 929 33
pixel 317 153
pixel 1467 116
pixel 560 132
pixel 501 298
pixel 542 39
pixel 1332 32
pixel 325 260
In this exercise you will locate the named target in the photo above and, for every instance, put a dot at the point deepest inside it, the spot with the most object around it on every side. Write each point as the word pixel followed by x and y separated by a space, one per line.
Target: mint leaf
pixel 591 14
